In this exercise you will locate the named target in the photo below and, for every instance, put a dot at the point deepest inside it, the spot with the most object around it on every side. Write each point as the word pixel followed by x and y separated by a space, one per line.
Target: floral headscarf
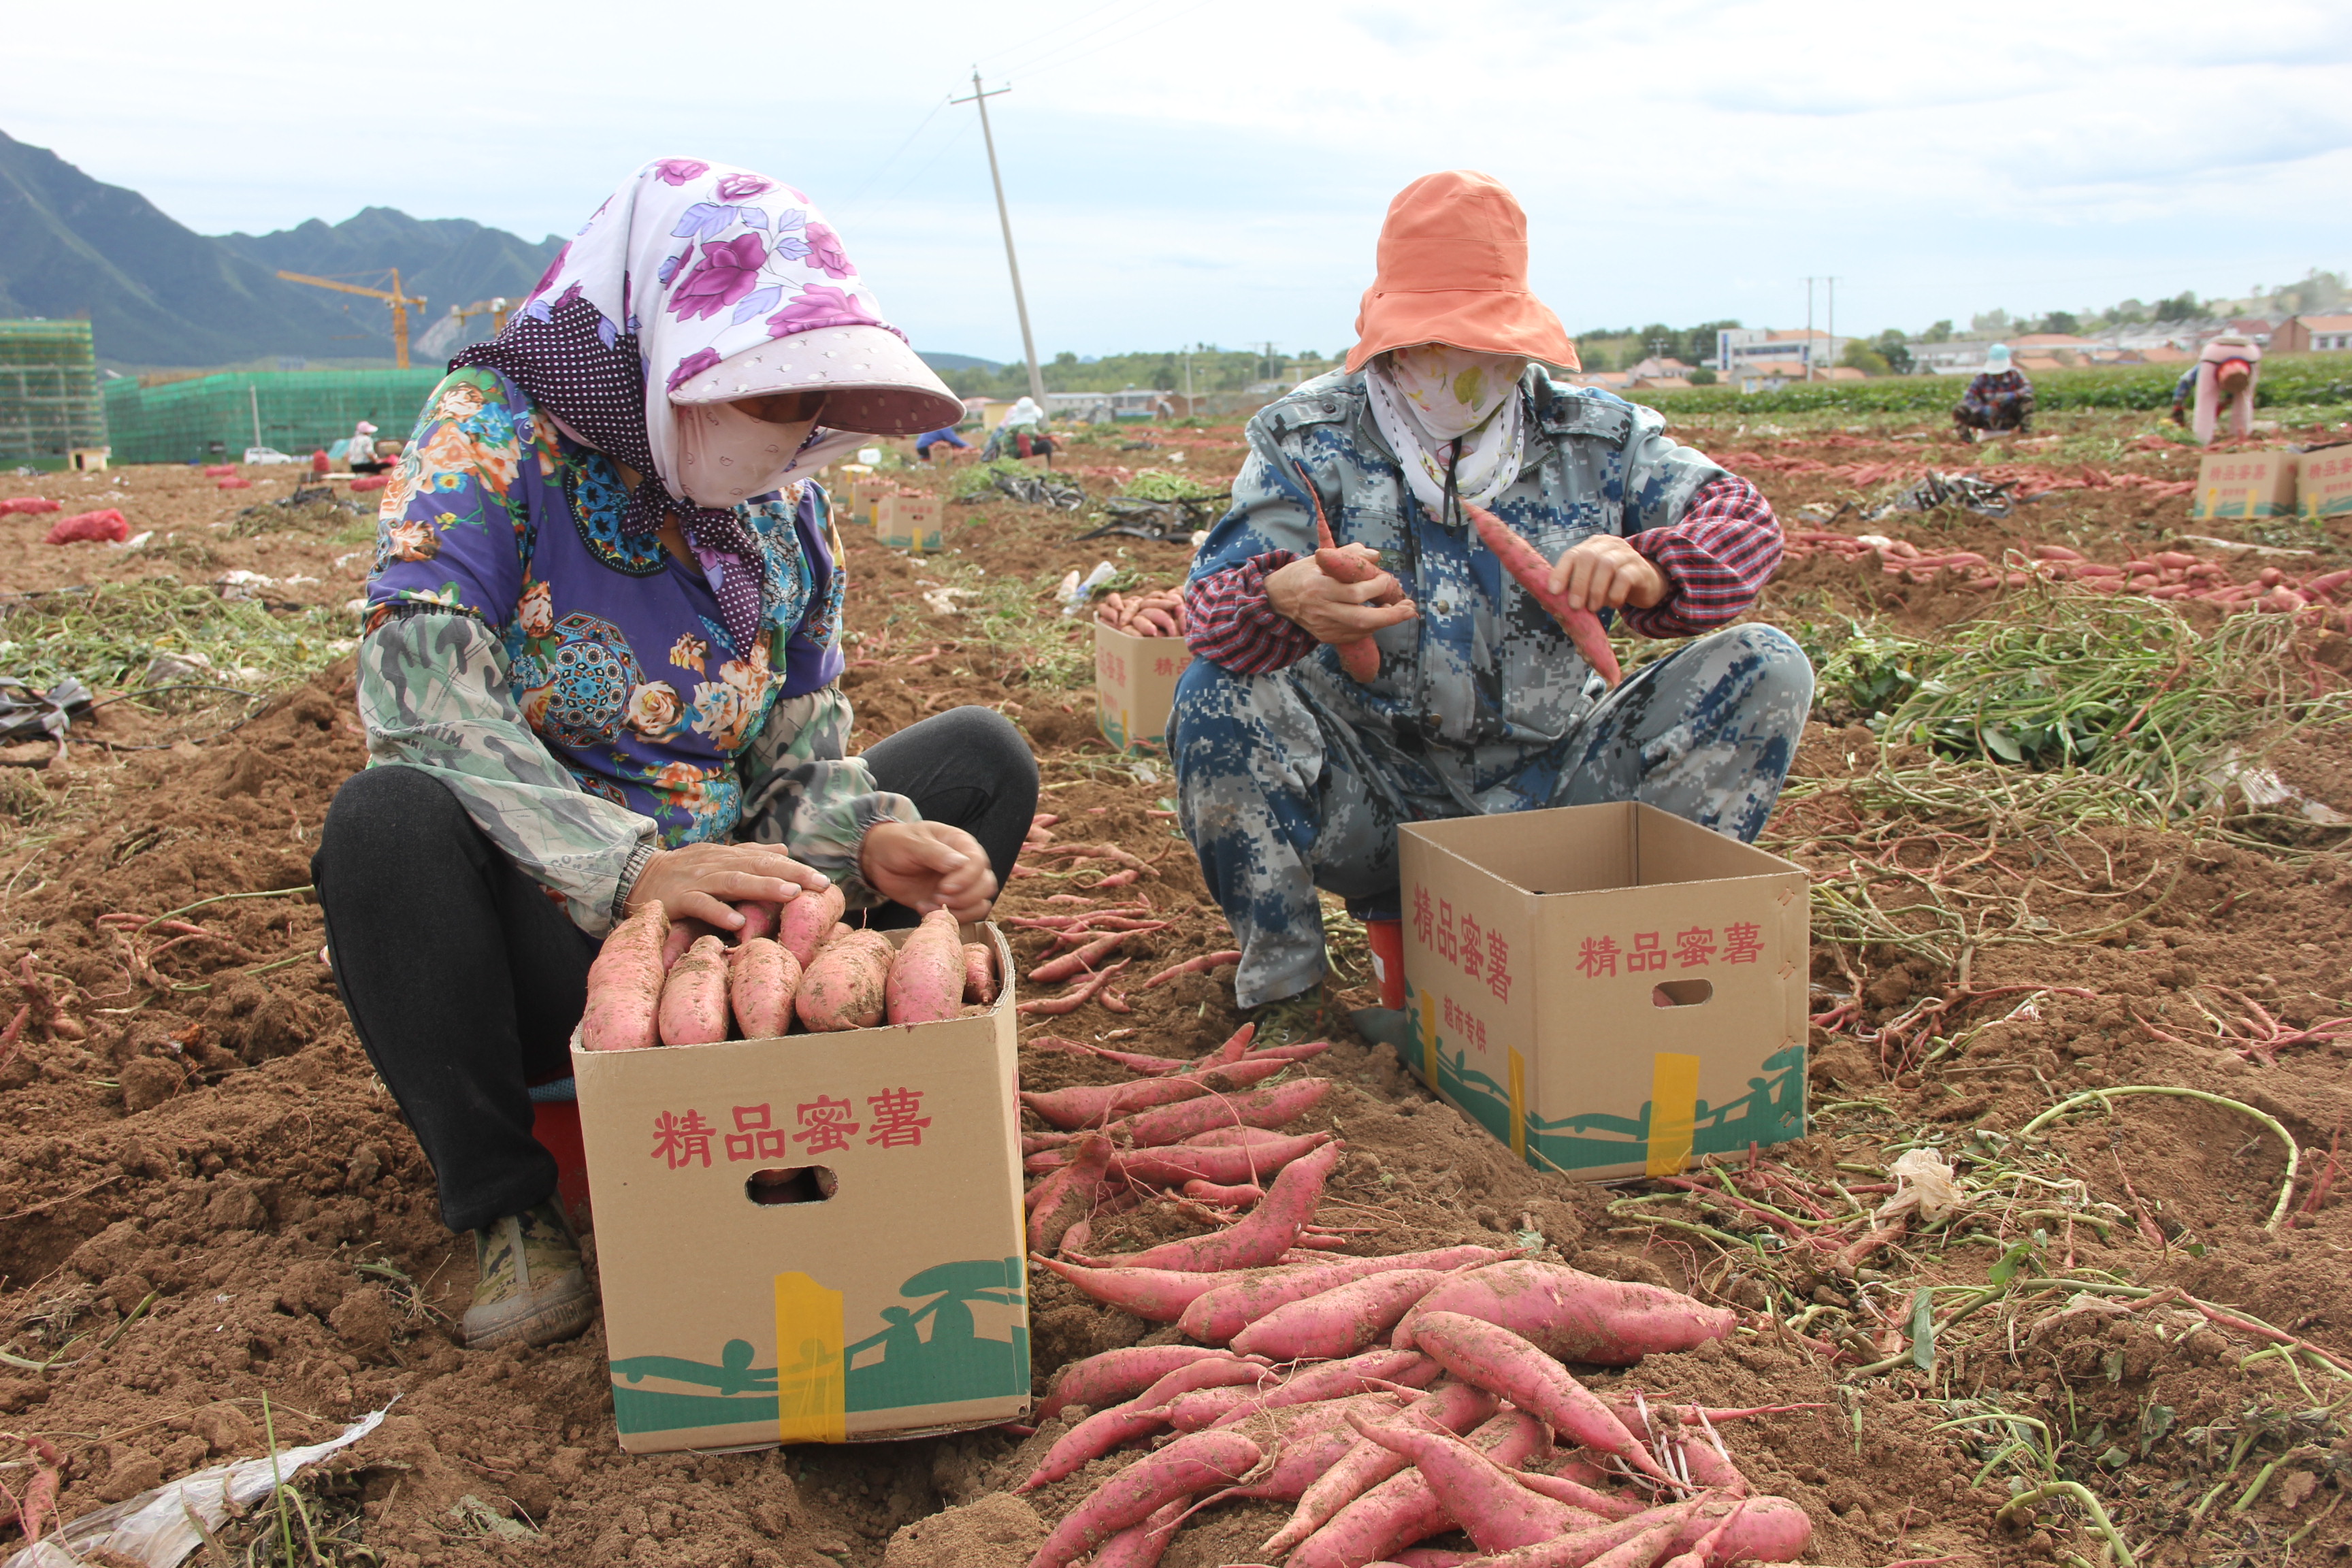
pixel 1453 417
pixel 687 265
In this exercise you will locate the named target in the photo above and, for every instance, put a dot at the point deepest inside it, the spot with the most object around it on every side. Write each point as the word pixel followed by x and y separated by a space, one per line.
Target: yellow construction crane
pixel 496 308
pixel 399 301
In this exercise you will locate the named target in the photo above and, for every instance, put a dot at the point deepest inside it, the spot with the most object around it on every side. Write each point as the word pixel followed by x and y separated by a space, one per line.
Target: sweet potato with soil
pixel 1574 1316
pixel 682 935
pixel 1142 1545
pixel 1069 1194
pixel 926 979
pixel 1526 564
pixel 1085 1105
pixel 1155 1295
pixel 1485 1499
pixel 694 996
pixel 1340 1322
pixel 1227 1165
pixel 1504 1364
pixel 978 974
pixel 759 920
pixel 1450 1406
pixel 805 922
pixel 1304 1440
pixel 1270 1107
pixel 761 977
pixel 1374 1370
pixel 1217 1315
pixel 1402 1511
pixel 1187 1466
pixel 1264 1236
pixel 1113 1377
pixel 625 985
pixel 843 987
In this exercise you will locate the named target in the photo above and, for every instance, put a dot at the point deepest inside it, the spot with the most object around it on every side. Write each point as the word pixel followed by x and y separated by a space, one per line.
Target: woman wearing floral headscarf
pixel 601 670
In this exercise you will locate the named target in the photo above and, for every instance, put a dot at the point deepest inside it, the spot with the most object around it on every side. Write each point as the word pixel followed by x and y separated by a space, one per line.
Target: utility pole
pixel 1809 329
pixel 1188 409
pixel 1003 216
pixel 1832 282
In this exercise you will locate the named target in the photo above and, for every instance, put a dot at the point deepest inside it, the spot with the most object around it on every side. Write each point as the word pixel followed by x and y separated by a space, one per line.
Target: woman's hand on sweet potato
pixel 929 865
pixel 706 882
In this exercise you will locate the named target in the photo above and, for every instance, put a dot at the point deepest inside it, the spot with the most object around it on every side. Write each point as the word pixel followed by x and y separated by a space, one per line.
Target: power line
pixel 1040 67
pixel 1046 49
pixel 879 169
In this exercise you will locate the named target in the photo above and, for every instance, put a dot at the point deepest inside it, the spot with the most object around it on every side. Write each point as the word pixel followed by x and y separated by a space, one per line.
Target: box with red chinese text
pixel 2243 485
pixel 1135 684
pixel 2323 482
pixel 865 495
pixel 1608 989
pixel 812 1238
pixel 905 520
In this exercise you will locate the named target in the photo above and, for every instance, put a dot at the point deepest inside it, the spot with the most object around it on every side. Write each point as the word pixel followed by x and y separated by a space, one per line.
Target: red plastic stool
pixel 556 1124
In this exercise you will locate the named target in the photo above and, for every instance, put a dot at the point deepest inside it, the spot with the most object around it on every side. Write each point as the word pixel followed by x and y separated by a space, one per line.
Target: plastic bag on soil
pixel 1947 490
pixel 27 715
pixel 159 1527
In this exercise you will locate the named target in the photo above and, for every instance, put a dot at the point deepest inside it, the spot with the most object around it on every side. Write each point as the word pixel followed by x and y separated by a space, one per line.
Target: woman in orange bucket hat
pixel 1294 774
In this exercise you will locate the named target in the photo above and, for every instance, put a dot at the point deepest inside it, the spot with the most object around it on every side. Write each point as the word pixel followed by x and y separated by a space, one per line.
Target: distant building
pixel 51 414
pixel 1760 354
pixel 2314 334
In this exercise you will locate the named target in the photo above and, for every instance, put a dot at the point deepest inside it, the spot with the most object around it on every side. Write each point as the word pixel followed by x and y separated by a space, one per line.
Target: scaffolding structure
pixel 214 418
pixel 50 413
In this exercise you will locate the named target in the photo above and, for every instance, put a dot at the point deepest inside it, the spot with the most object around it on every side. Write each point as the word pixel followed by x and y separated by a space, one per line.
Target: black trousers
pixel 465 982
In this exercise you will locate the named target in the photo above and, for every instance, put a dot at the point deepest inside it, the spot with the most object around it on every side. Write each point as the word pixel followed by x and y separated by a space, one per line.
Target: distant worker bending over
pixel 1024 430
pixel 1293 774
pixel 930 441
pixel 2227 369
pixel 1999 400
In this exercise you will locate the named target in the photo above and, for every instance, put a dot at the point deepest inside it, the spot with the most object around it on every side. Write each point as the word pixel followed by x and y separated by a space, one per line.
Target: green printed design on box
pixel 952 1365
pixel 1771 1111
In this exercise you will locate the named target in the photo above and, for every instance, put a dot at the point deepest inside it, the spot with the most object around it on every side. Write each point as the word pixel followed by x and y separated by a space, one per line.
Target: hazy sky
pixel 1216 170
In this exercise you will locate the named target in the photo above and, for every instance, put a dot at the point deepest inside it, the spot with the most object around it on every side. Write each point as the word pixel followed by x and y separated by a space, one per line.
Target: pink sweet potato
pixel 1402 1511
pixel 1226 1166
pixel 1142 1545
pixel 1526 564
pixel 843 986
pixel 760 986
pixel 1340 1322
pixel 1155 1295
pixel 1481 1495
pixel 1276 1107
pixel 625 985
pixel 1573 1316
pixel 1217 1195
pixel 682 935
pixel 1576 1494
pixel 759 920
pixel 1113 1377
pixel 1507 1365
pixel 1093 1105
pixel 1451 1407
pixel 1218 1314
pixel 694 996
pixel 1187 1466
pixel 804 923
pixel 1375 1370
pixel 1265 1235
pixel 978 974
pixel 1069 1194
pixel 1306 1440
pixel 926 979
pixel 1753 1530
pixel 1093 1438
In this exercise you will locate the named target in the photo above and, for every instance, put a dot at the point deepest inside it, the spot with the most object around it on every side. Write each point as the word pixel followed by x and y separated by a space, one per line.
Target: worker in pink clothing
pixel 2228 368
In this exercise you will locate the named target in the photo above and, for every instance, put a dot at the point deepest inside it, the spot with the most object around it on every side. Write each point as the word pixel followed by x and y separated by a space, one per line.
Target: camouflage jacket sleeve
pixel 434 694
pixel 804 793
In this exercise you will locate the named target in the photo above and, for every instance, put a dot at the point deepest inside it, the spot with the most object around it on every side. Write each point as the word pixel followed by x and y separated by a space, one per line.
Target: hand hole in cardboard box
pixel 1681 992
pixel 798 1184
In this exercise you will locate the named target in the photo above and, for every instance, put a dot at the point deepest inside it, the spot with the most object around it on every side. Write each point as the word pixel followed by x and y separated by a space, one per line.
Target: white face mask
pixel 725 456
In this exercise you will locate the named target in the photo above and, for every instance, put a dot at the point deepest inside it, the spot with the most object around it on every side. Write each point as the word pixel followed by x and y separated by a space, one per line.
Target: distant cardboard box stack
pixel 1610 990
pixel 812 1239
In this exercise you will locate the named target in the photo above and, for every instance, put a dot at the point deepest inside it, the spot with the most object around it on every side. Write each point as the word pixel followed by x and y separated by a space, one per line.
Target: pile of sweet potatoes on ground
pixel 1465 1419
pixel 656 982
pixel 1287 1391
pixel 1159 613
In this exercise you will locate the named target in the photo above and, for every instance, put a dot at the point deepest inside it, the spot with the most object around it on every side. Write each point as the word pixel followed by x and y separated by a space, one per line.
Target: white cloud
pixel 1186 169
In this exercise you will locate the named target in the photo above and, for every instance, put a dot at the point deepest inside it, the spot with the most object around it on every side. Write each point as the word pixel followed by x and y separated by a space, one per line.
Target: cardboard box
pixel 1135 684
pixel 905 521
pixel 2323 482
pixel 865 495
pixel 2243 485
pixel 1608 989
pixel 891 1273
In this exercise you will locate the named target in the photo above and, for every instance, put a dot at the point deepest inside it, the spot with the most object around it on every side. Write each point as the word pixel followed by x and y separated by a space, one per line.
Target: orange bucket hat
pixel 1453 269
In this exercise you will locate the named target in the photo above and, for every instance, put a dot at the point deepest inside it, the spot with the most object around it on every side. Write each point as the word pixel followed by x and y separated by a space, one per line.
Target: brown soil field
pixel 213 1220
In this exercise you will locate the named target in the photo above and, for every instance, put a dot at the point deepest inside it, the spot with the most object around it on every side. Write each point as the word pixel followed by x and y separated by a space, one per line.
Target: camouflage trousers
pixel 1277 804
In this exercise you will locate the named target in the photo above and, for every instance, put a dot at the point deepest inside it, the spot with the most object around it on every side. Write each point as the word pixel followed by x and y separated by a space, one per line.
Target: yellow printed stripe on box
pixel 812 1401
pixel 1673 1110
pixel 1519 1103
